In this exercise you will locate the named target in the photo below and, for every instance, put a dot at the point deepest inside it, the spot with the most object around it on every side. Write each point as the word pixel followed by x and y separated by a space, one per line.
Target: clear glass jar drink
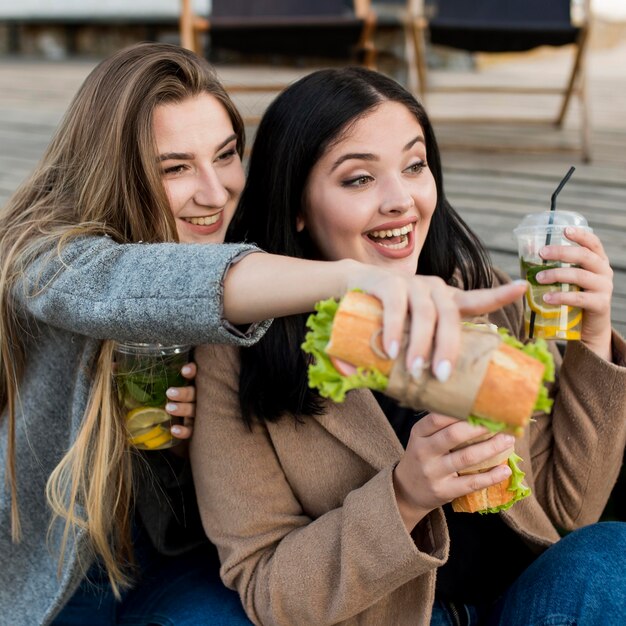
pixel 143 373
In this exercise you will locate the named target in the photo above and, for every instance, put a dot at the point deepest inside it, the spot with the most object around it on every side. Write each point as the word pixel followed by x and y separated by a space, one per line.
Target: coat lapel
pixel 360 424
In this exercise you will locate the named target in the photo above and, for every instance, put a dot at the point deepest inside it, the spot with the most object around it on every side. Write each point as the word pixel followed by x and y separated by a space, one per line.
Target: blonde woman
pixel 147 156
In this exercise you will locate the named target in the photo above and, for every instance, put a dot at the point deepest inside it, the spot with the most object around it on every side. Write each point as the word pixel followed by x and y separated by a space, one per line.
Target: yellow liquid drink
pixel 548 321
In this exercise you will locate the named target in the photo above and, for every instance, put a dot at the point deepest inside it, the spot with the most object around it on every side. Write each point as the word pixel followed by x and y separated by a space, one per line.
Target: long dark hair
pixel 296 130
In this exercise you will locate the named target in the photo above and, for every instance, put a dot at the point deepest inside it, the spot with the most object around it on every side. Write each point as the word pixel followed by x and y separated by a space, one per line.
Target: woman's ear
pixel 300 223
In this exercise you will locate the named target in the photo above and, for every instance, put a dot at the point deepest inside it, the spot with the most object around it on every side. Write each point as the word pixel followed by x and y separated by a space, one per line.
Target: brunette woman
pixel 338 514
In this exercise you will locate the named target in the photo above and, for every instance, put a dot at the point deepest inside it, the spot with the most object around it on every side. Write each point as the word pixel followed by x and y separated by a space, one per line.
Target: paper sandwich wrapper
pixel 456 396
pixel 490 380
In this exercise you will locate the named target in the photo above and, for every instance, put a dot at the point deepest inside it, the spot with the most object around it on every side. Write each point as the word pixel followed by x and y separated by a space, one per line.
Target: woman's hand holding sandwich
pixel 428 474
pixel 434 310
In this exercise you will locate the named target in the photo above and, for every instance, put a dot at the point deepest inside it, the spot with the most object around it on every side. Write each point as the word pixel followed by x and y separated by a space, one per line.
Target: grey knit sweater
pixel 168 293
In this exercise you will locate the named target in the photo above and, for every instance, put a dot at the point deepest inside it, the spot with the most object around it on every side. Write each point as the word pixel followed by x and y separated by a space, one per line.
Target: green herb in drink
pixel 146 384
pixel 530 271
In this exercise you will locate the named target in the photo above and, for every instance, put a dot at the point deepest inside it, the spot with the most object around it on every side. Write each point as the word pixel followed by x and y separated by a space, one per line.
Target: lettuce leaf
pixel 521 491
pixel 495 427
pixel 322 374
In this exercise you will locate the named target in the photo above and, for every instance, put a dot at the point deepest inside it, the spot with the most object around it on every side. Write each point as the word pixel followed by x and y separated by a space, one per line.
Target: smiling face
pixel 371 196
pixel 200 168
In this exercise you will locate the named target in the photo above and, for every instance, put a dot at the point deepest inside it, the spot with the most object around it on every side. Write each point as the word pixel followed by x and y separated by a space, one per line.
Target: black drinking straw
pixel 531 326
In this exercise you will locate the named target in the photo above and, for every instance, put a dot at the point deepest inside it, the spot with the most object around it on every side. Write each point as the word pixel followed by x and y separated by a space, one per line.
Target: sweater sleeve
pixel 288 566
pixel 167 293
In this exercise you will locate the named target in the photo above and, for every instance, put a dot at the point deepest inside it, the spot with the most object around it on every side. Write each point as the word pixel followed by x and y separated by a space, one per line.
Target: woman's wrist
pixel 410 514
pixel 602 346
pixel 346 273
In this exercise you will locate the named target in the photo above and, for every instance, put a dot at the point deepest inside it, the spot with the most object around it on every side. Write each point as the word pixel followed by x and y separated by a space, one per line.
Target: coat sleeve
pixel 577 450
pixel 288 567
pixel 167 293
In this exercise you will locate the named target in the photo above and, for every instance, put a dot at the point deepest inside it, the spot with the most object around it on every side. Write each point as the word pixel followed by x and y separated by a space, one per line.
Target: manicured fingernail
pixel 186 369
pixel 520 281
pixel 548 297
pixel 443 370
pixel 172 392
pixel 570 231
pixel 394 349
pixel 540 275
pixel 417 369
pixel 176 430
pixel 170 406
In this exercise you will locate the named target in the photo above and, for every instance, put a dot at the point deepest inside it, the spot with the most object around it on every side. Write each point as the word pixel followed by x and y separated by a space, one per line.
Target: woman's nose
pixel 396 198
pixel 210 191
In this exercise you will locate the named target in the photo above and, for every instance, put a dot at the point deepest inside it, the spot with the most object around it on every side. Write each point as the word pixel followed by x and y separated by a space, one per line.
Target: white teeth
pixel 396 246
pixel 396 232
pixel 203 221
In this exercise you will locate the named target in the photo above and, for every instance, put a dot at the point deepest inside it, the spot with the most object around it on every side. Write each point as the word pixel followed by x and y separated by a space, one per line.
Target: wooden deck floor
pixel 491 190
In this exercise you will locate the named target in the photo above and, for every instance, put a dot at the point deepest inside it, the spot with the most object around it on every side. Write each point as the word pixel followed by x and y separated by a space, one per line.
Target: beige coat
pixel 304 515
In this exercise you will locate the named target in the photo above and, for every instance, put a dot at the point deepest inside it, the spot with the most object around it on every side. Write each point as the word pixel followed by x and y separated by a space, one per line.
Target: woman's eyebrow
pixel 188 156
pixel 176 156
pixel 226 142
pixel 368 156
pixel 361 156
pixel 411 143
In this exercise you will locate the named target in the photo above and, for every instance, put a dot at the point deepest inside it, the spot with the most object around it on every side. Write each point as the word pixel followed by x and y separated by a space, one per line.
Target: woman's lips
pixel 205 225
pixel 394 243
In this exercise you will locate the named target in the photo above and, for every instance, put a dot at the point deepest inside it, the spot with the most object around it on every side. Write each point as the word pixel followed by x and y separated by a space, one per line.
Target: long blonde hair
pixel 99 176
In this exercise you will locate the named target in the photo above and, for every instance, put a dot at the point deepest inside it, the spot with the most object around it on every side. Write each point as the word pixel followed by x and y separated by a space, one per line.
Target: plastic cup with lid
pixel 143 373
pixel 536 230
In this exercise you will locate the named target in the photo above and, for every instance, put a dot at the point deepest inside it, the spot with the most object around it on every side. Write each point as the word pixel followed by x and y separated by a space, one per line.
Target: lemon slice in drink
pixel 549 331
pixel 572 334
pixel 145 434
pixel 145 416
pixel 164 439
pixel 575 321
pixel 537 305
pixel 554 332
pixel 151 438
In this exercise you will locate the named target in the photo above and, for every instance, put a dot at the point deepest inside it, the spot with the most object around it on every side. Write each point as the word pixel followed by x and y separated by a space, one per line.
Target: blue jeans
pixel 579 581
pixel 171 591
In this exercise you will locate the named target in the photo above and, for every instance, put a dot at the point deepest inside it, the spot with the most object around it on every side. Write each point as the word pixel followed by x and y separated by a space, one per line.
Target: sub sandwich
pixel 498 382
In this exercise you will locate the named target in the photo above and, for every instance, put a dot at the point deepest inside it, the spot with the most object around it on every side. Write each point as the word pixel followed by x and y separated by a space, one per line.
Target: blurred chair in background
pixel 291 30
pixel 504 26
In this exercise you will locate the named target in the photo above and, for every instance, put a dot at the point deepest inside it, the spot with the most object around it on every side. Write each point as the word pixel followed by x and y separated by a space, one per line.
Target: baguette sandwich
pixel 498 382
